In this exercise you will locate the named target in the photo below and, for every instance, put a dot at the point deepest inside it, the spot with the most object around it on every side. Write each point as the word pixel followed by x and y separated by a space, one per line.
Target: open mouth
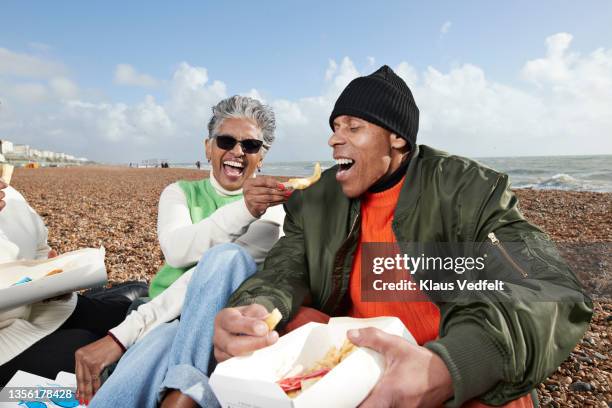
pixel 344 166
pixel 232 168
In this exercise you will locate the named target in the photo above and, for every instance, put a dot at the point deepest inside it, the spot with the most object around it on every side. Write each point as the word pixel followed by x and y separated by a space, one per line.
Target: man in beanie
pixel 491 348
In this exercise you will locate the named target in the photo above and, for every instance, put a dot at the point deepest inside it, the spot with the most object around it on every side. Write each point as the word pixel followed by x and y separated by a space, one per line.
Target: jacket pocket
pixel 507 256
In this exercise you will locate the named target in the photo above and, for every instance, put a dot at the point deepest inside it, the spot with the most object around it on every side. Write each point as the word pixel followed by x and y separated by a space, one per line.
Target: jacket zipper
pixel 495 241
pixel 330 299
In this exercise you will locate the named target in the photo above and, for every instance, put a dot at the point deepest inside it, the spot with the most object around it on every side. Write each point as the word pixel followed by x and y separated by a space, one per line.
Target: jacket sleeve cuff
pixel 264 301
pixel 474 360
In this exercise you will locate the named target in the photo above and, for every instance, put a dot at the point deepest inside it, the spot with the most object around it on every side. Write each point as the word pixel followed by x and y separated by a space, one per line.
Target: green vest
pixel 202 200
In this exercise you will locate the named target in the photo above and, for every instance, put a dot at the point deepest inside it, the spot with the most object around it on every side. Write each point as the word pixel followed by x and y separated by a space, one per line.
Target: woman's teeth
pixel 234 164
pixel 233 168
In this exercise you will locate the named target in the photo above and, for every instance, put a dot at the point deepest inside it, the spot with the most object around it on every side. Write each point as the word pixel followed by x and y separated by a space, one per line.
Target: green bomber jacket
pixel 497 348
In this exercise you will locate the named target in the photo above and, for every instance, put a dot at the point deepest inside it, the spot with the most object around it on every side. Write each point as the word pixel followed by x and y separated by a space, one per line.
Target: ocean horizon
pixel 571 173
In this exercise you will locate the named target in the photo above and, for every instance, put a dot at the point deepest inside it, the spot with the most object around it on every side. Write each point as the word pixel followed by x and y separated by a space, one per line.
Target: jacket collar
pixel 411 190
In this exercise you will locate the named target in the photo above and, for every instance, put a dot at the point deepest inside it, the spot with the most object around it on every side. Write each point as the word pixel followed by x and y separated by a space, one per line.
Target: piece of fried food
pixel 54 272
pixel 302 183
pixel 273 319
pixel 294 384
pixel 6 172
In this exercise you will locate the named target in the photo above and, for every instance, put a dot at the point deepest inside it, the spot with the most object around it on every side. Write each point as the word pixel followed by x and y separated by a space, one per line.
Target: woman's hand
pixel 91 360
pixel 263 192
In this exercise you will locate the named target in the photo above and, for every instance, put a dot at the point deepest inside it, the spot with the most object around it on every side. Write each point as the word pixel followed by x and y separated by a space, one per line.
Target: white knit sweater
pixel 183 243
pixel 23 235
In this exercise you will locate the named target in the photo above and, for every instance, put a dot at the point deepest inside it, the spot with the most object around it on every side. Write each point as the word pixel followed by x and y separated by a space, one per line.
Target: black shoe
pixel 131 290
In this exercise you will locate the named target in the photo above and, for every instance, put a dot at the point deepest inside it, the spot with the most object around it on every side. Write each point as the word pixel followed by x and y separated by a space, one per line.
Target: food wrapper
pixel 26 282
pixel 251 381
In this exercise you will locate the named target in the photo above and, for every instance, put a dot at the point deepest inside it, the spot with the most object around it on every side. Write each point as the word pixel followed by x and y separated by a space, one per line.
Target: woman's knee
pixel 223 259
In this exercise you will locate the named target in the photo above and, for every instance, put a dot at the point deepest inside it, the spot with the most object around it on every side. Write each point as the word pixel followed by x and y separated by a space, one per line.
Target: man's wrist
pixel 442 386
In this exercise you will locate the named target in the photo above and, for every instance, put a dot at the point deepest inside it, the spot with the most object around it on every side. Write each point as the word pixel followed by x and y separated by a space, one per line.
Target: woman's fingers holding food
pixel 262 182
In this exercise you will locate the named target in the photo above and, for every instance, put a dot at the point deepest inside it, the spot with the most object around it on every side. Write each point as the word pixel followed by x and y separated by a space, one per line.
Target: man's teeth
pixel 233 164
pixel 344 161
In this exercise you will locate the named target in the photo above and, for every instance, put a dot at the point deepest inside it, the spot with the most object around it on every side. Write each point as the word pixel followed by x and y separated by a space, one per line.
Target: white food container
pixel 250 382
pixel 80 270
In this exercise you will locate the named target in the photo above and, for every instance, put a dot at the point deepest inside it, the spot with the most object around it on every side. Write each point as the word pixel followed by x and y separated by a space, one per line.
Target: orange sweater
pixel 421 318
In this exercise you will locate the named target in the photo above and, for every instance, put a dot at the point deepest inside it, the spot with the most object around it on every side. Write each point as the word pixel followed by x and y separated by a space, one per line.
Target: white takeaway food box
pixel 80 270
pixel 250 381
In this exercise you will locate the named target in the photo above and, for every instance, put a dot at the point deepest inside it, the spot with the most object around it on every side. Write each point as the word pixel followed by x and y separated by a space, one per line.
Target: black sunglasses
pixel 249 146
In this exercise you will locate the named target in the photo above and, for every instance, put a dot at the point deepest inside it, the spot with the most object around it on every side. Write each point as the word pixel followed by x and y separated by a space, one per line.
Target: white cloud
pixel 28 66
pixel 29 92
pixel 64 88
pixel 126 74
pixel 445 28
pixel 407 73
pixel 254 93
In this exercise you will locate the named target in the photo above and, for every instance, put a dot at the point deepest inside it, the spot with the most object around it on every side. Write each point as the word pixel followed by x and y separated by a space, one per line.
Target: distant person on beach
pixel 224 223
pixel 42 338
pixel 489 347
pixel 198 164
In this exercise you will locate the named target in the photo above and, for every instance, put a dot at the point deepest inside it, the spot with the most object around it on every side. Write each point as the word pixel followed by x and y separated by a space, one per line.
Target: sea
pixel 572 173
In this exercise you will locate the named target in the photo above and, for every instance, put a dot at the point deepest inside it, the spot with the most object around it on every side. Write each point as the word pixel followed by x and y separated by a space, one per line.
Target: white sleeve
pixel 183 242
pixel 8 250
pixel 163 308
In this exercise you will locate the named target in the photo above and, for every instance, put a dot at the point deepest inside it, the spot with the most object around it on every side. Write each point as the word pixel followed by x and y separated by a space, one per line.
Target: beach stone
pixel 544 401
pixel 568 380
pixel 552 387
pixel 585 359
pixel 580 386
pixel 600 356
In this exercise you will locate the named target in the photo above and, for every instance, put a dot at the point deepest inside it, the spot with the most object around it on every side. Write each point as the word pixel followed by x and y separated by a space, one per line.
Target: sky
pixel 120 82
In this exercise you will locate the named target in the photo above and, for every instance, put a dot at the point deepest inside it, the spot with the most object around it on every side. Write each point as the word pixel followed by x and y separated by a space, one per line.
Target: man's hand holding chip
pixel 241 330
pixel 414 376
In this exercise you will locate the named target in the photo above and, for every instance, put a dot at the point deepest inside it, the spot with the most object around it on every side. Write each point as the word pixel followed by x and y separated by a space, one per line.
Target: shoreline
pixel 116 207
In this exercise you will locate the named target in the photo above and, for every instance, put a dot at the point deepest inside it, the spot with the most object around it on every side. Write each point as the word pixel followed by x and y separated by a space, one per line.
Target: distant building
pixel 22 154
pixel 21 150
pixel 6 147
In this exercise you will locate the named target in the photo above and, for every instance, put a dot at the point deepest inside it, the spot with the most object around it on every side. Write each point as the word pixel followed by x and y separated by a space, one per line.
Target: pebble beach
pixel 116 207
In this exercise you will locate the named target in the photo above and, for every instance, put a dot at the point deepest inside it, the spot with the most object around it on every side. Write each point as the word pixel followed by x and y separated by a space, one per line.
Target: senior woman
pixel 167 359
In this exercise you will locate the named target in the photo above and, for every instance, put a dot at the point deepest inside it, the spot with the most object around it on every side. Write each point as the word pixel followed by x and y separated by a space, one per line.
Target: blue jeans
pixel 176 355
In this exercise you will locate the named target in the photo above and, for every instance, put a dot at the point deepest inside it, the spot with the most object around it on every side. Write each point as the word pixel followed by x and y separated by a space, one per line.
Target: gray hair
pixel 245 107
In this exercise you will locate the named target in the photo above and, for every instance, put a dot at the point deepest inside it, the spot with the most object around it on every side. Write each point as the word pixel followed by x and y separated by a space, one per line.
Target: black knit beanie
pixel 382 98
